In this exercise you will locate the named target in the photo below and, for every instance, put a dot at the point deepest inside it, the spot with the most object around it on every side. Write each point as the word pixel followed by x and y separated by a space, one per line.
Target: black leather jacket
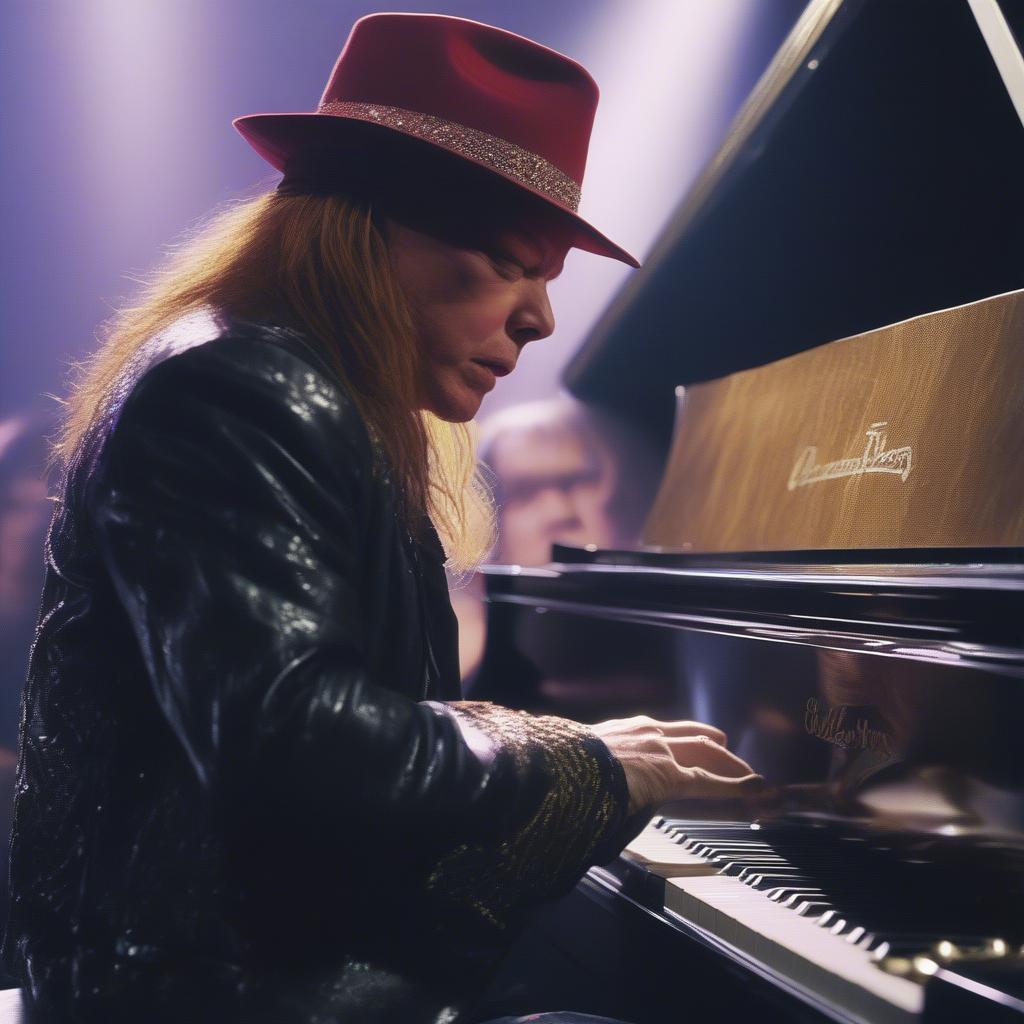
pixel 239 795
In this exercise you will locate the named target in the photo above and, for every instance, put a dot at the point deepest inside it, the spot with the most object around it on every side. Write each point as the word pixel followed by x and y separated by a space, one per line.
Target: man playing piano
pixel 247 788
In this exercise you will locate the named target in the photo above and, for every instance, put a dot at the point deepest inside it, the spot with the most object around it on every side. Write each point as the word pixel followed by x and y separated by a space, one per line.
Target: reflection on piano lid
pixel 876 678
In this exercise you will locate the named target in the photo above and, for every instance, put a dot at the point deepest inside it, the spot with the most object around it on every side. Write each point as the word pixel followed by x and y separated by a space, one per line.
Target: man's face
pixel 476 304
pixel 555 490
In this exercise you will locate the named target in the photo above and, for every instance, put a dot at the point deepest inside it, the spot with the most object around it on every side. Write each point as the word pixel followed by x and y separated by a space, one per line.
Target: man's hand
pixel 676 761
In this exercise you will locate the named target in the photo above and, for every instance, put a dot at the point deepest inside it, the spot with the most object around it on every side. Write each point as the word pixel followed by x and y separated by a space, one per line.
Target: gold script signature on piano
pixel 876 459
pixel 836 726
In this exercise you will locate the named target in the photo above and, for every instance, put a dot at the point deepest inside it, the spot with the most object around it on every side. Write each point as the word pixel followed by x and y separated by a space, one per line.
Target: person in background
pixel 562 473
pixel 24 512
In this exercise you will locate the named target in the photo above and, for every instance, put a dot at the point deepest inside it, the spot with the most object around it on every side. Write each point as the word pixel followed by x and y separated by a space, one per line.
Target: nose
pixel 532 318
pixel 556 505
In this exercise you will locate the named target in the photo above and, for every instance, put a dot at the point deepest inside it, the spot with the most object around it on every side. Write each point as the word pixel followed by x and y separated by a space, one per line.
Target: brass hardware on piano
pixel 927 962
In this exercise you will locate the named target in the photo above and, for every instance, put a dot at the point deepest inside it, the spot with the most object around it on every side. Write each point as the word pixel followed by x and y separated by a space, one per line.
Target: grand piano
pixel 827 350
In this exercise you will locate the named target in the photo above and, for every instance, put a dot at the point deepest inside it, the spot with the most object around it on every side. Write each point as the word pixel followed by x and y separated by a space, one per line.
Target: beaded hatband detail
pixel 498 154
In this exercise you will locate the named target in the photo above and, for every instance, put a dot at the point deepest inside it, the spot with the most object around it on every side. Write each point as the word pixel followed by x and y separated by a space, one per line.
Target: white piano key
pixel 662 855
pixel 795 947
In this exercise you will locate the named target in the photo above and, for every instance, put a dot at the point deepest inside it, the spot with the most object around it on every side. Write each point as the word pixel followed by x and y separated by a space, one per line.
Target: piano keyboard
pixel 730 881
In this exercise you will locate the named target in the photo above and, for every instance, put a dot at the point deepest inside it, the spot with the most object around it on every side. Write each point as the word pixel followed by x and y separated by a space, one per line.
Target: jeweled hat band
pixel 498 154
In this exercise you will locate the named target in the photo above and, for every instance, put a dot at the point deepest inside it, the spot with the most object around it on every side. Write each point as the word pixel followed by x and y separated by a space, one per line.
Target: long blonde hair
pixel 318 263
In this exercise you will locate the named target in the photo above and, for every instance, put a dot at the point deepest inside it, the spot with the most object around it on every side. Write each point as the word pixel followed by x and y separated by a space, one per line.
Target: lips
pixel 483 376
pixel 498 368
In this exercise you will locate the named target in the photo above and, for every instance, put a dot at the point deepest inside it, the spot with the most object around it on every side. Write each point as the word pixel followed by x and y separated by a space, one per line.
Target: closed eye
pixel 506 266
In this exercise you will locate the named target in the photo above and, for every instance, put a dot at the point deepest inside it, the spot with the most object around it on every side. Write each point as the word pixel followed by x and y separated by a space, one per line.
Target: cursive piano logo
pixel 838 727
pixel 876 459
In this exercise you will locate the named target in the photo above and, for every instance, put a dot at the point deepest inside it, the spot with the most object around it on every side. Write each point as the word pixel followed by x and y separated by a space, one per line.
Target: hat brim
pixel 280 138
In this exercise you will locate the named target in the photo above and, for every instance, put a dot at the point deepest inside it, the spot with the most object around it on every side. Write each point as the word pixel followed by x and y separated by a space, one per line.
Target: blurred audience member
pixel 563 472
pixel 24 517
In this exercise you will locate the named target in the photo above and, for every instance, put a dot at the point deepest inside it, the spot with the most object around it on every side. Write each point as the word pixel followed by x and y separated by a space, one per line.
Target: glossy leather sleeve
pixel 232 504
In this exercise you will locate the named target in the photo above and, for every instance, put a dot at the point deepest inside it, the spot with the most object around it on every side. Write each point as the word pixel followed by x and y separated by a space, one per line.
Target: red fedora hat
pixel 495 99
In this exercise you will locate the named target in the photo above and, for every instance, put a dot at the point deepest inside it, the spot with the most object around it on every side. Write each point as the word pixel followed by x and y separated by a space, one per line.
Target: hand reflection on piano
pixel 912 747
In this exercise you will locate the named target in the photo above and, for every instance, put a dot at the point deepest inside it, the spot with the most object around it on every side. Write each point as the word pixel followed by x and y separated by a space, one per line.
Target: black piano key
pixel 811 908
pixel 785 895
pixel 766 878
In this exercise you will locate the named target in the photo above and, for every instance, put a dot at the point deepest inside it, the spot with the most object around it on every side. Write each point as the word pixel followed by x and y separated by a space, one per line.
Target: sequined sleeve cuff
pixel 570 811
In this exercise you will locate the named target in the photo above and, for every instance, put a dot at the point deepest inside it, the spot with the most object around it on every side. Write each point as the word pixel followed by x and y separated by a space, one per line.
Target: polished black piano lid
pixel 1001 561
pixel 956 607
pixel 874 175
